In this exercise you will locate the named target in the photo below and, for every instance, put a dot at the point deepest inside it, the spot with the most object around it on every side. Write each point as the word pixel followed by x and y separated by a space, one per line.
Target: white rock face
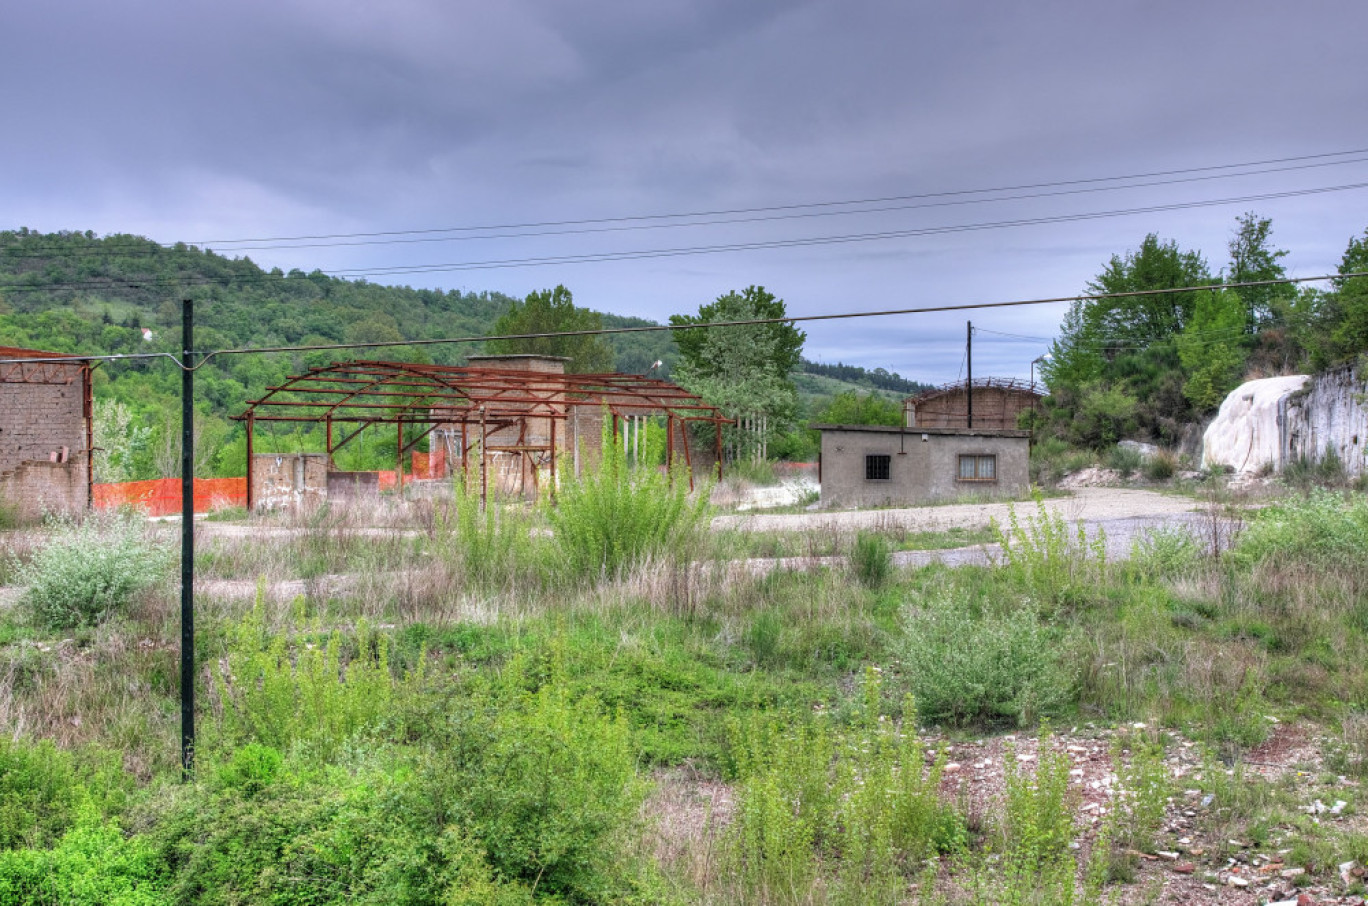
pixel 1248 433
pixel 1279 420
pixel 1332 418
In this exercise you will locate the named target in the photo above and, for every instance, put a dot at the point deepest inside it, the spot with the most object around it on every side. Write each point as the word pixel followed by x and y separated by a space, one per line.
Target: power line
pixel 793 207
pixel 776 212
pixel 732 219
pixel 206 356
pixel 600 257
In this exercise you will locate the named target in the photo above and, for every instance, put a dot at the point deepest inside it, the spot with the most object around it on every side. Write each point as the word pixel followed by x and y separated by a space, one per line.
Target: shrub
pixel 280 691
pixel 1321 529
pixel 1165 552
pixel 815 797
pixel 871 559
pixel 1161 466
pixel 92 865
pixel 90 570
pixel 494 547
pixel 985 669
pixel 1126 460
pixel 1047 560
pixel 549 785
pixel 613 518
pixel 39 793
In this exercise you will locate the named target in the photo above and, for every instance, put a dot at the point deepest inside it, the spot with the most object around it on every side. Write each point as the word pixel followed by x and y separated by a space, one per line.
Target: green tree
pixel 1121 347
pixel 743 370
pixel 1251 260
pixel 1212 348
pixel 851 408
pixel 554 311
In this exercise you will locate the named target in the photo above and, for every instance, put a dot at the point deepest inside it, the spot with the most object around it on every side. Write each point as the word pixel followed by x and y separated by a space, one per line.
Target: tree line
pixel 1148 365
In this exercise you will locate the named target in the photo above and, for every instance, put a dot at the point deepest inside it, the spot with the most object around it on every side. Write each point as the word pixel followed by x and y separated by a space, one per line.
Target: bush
pixel 871 559
pixel 613 518
pixel 280 692
pixel 1161 466
pixel 987 669
pixel 90 570
pixel 1125 460
pixel 1050 562
pixel 39 793
pixel 92 865
pixel 858 802
pixel 1322 529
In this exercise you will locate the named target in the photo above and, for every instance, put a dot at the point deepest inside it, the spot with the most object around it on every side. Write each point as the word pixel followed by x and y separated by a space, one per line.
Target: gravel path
pixel 1092 505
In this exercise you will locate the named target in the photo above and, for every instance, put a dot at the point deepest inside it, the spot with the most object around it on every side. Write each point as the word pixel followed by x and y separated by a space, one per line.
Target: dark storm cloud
pixel 217 121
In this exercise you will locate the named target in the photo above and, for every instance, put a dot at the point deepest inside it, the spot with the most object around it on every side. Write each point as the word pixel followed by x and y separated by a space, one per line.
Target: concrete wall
pixel 923 464
pixel 39 417
pixel 288 479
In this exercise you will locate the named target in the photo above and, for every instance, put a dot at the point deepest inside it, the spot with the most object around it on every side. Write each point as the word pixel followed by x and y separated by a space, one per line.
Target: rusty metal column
pixel 330 448
pixel 399 459
pixel 251 417
pixel 669 446
pixel 553 458
pixel 718 425
pixel 465 457
pixel 484 461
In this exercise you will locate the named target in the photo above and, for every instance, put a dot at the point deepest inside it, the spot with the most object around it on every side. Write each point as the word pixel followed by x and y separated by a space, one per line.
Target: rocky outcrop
pixel 1265 424
pixel 1330 419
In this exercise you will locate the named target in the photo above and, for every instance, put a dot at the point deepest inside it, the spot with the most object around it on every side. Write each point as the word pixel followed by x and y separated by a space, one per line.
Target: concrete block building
pixel 879 465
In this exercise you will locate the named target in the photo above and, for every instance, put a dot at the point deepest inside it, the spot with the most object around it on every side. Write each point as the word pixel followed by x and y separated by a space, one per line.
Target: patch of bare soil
pixel 1191 863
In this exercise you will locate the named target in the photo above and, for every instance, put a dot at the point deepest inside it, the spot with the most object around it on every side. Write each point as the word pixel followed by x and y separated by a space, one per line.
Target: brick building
pixel 46 432
pixel 997 403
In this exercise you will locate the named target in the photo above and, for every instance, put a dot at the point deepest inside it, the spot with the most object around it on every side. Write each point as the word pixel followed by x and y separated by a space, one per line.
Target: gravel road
pixel 1121 514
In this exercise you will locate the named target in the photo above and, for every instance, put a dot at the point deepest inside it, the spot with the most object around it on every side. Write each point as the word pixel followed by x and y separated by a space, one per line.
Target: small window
pixel 877 467
pixel 978 468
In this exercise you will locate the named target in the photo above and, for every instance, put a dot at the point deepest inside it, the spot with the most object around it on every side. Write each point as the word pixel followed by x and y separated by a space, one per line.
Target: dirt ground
pixel 1191 865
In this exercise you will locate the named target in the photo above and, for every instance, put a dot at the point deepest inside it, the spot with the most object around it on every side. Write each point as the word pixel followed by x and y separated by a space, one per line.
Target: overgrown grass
pixel 492 739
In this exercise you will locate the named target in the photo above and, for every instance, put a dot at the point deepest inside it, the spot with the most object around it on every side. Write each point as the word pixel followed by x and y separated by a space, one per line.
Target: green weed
pixel 91 570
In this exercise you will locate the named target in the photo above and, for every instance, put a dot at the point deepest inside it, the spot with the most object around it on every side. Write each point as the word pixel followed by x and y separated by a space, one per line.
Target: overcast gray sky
pixel 209 122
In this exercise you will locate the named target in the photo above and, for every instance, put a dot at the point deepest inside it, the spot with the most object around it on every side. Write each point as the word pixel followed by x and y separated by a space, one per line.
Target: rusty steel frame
pixel 361 394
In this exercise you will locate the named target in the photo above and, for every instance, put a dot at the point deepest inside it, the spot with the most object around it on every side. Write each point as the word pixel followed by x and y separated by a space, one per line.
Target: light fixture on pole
pixel 1047 357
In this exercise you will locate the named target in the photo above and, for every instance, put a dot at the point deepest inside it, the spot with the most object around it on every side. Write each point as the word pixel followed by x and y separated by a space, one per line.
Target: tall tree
pixel 1253 259
pixel 744 371
pixel 554 311
pixel 1120 349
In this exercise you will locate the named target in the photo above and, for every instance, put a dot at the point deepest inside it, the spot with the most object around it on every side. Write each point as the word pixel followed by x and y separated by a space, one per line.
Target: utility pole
pixel 187 659
pixel 969 357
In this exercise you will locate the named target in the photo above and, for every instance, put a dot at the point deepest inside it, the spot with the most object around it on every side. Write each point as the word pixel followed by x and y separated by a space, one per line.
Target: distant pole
pixel 187 660
pixel 969 358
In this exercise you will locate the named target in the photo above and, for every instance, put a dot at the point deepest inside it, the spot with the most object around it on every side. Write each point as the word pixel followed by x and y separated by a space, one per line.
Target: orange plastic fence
pixel 162 496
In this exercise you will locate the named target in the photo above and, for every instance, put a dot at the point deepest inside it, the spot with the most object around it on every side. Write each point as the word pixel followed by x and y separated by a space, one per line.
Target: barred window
pixel 878 467
pixel 978 467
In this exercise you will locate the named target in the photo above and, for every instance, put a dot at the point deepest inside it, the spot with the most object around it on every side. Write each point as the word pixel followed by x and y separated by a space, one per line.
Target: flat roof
pixel 896 429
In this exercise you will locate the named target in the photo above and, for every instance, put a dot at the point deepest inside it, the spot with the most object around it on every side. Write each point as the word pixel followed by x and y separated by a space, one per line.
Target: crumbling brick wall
pixel 996 407
pixel 44 434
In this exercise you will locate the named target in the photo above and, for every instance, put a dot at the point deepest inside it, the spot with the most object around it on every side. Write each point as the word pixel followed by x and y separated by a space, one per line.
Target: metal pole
pixel 399 459
pixel 969 357
pixel 187 641
pixel 250 499
pixel 484 461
